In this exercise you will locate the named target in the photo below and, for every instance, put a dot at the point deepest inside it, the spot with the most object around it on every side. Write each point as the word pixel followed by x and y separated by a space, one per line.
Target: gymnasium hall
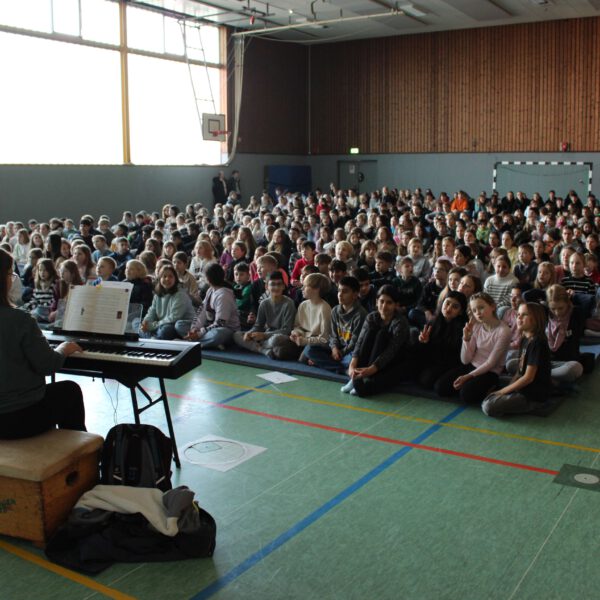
pixel 309 132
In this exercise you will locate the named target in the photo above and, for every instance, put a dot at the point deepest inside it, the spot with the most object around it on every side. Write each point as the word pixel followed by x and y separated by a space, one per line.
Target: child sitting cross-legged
pixel 44 290
pixel 441 340
pixel 217 319
pixel 346 322
pixel 169 305
pixel 531 386
pixel 485 343
pixel 312 324
pixel 275 317
pixel 377 360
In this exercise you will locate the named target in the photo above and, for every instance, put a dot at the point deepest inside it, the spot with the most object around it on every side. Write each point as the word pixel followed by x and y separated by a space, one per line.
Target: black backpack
pixel 138 456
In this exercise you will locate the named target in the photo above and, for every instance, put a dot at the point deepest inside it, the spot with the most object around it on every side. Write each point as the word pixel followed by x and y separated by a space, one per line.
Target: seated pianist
pixel 29 406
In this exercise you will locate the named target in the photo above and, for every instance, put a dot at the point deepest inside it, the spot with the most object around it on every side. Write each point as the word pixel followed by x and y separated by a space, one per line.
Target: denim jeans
pixel 321 357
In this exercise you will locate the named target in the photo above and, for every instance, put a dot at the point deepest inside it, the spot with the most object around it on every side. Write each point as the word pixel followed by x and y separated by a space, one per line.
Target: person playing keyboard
pixel 29 406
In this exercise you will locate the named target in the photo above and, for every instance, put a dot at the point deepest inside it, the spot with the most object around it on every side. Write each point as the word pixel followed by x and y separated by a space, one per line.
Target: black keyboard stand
pixel 132 383
pixel 151 402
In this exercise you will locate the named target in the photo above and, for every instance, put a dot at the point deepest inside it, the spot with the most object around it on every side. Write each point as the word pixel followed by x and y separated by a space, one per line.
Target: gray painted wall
pixel 45 191
pixel 440 172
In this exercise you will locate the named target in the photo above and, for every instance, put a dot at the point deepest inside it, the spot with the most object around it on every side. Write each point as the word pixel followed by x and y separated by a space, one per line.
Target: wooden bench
pixel 41 479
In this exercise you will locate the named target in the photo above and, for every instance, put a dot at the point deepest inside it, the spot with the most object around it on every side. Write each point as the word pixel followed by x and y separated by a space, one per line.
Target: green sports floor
pixel 394 498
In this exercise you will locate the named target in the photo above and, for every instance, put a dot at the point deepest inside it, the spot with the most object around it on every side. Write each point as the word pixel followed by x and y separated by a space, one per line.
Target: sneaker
pixel 353 392
pixel 348 387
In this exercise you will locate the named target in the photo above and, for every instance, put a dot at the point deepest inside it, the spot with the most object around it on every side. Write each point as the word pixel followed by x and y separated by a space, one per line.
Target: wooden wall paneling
pixel 273 113
pixel 585 76
pixel 504 89
pixel 581 79
pixel 540 94
pixel 535 91
pixel 395 93
pixel 594 89
pixel 575 58
pixel 568 68
pixel 564 80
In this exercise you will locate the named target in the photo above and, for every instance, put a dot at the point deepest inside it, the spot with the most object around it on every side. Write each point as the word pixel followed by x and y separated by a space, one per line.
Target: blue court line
pixel 255 558
pixel 244 393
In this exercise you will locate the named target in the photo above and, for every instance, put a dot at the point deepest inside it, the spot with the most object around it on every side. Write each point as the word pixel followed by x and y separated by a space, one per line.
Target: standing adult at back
pixel 219 188
pixel 234 184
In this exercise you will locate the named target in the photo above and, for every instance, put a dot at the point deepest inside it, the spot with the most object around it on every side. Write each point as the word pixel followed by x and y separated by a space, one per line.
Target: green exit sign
pixel 354 150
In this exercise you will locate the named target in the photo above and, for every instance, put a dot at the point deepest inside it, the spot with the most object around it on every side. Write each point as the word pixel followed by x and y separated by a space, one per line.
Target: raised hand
pixel 424 335
pixel 468 329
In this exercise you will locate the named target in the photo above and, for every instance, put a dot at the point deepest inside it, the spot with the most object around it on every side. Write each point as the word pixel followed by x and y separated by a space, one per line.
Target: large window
pixel 64 84
pixel 163 107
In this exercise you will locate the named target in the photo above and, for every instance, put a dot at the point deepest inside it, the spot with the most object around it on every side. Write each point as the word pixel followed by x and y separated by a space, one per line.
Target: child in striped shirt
pixel 499 285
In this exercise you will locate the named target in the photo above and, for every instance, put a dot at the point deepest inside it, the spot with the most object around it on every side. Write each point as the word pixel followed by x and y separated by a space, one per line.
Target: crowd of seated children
pixel 255 277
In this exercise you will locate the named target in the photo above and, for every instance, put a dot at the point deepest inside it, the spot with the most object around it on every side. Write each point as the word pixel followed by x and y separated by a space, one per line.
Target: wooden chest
pixel 41 479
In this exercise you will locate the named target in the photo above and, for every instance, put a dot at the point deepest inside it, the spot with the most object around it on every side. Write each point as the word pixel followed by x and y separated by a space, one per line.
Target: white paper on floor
pixel 277 377
pixel 218 453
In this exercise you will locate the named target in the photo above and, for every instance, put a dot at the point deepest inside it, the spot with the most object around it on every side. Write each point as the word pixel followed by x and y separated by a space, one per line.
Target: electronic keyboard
pixel 118 358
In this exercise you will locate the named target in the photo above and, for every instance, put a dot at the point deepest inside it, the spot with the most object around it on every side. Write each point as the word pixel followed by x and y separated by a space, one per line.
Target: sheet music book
pixel 101 309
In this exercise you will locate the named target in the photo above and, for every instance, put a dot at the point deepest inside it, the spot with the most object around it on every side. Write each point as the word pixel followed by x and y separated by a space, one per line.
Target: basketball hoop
pixel 219 132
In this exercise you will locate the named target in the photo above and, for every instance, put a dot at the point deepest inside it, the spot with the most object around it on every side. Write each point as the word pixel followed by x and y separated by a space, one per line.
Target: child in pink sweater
pixel 486 340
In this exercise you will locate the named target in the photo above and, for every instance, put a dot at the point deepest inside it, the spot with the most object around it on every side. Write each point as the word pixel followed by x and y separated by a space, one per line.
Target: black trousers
pixel 472 392
pixel 61 406
pixel 429 376
pixel 398 370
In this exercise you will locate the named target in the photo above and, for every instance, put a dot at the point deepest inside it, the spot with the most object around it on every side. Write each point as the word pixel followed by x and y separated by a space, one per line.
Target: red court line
pixel 376 438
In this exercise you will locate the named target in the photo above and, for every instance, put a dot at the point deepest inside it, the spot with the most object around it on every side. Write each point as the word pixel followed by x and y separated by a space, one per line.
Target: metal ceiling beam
pixel 318 23
pixel 384 4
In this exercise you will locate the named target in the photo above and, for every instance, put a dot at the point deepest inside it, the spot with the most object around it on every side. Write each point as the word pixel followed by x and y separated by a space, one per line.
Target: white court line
pixel 541 548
